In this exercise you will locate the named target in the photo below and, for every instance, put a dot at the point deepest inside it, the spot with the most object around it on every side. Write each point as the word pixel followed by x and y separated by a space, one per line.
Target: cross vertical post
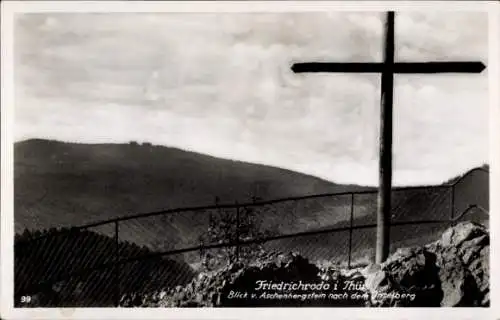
pixel 385 158
pixel 387 69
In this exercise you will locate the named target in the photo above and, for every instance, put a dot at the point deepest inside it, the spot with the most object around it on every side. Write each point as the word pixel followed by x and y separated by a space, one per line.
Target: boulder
pixel 460 233
pixel 450 272
pixel 463 259
pixel 406 278
pixel 457 284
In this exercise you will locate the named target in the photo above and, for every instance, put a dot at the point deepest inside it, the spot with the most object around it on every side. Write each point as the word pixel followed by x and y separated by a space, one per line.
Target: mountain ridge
pixel 21 143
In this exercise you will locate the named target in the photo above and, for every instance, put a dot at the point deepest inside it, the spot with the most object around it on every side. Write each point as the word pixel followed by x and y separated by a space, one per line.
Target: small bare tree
pixel 232 226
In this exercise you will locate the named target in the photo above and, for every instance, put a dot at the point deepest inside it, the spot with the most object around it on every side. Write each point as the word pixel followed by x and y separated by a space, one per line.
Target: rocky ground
pixel 450 272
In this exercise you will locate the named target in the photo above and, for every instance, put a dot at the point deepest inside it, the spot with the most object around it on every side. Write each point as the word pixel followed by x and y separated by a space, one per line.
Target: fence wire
pixel 95 266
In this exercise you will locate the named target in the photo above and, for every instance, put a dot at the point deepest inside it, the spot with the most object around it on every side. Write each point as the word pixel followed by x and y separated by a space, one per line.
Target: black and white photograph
pixel 279 159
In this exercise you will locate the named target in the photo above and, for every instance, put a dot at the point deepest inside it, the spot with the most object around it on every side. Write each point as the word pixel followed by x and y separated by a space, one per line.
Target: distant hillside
pixel 64 184
pixel 67 184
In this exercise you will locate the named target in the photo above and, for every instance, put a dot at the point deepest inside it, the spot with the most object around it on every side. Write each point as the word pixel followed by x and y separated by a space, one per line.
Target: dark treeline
pixel 41 269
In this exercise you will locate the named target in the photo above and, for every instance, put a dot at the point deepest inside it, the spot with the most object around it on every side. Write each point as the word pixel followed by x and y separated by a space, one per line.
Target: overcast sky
pixel 221 84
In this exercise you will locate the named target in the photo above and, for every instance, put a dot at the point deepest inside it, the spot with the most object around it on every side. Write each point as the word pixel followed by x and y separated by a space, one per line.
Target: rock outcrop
pixel 261 284
pixel 450 272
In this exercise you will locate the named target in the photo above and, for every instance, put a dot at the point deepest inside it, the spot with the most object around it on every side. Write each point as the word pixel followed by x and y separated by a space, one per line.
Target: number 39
pixel 25 299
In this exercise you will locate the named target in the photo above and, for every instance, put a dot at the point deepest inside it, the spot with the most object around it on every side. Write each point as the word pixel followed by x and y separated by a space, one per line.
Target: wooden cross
pixel 387 68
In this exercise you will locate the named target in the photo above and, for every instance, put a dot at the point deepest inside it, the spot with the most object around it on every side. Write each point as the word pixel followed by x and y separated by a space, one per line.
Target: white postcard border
pixel 9 8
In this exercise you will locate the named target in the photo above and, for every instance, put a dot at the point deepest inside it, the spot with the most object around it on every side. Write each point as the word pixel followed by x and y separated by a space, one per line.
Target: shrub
pixel 232 226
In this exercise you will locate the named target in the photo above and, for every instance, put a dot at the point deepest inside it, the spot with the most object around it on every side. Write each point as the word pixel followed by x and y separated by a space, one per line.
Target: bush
pixel 232 226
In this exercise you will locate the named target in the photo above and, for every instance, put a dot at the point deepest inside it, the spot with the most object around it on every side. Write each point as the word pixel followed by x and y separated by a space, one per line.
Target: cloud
pixel 221 84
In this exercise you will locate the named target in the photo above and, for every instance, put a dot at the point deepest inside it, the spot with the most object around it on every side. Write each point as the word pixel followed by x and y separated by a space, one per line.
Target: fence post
pixel 350 232
pixel 452 202
pixel 237 232
pixel 117 267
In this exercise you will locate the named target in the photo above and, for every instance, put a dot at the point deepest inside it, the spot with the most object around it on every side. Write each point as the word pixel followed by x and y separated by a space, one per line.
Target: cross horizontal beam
pixel 398 67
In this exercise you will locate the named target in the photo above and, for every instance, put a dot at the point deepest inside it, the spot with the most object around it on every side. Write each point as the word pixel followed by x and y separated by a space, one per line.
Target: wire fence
pixel 95 264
